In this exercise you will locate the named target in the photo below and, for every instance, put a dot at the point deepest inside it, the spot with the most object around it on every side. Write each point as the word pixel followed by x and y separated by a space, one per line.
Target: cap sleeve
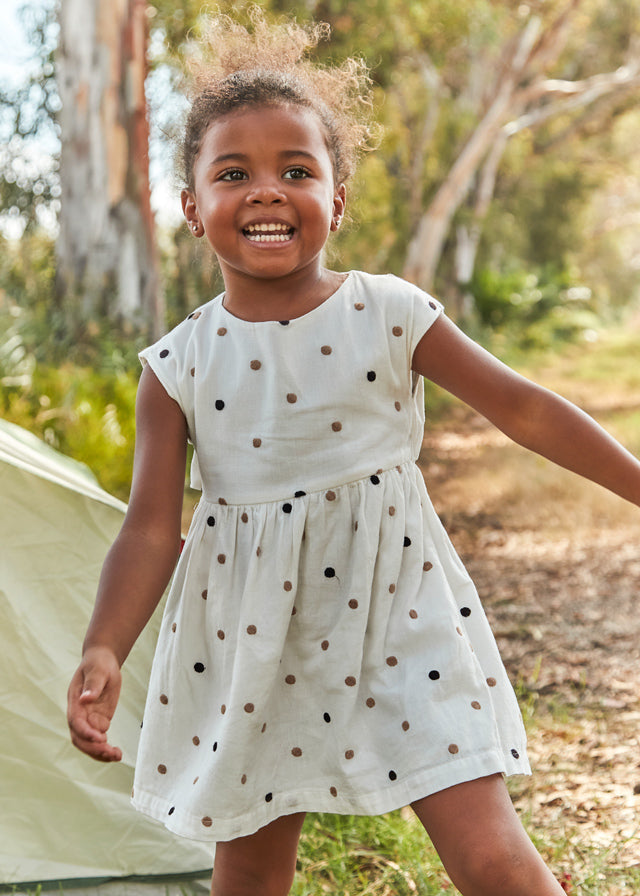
pixel 172 358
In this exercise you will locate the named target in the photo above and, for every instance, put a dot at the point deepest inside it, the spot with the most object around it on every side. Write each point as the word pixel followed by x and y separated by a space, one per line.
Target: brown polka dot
pixel 195 315
pixel 336 426
pixel 359 306
pixel 350 681
pixel 251 629
pixel 192 371
pixel 221 634
pixel 405 726
pixel 222 558
pixel 491 682
pixel 255 365
pixel 243 779
pixel 355 526
pixel 249 707
pixel 292 397
pixel 264 728
pixel 222 331
pixel 459 630
pixel 325 645
pixel 330 496
pixel 257 443
pixel 475 704
pixel 392 661
pixel 207 822
pixel 162 769
pixel 413 614
pixel 164 699
pixel 222 502
pixel 205 594
pixel 397 331
pixel 223 709
pixel 371 702
pixel 326 349
pixel 392 589
pixel 349 754
pixel 196 741
pixel 290 679
pixel 392 511
pixel 196 779
pixel 244 517
pixel 173 627
pixel 296 751
pixel 294 611
pixel 258 551
pixel 333 791
pixel 453 748
pixel 397 405
pixel 427 566
pixel 287 585
pixel 353 603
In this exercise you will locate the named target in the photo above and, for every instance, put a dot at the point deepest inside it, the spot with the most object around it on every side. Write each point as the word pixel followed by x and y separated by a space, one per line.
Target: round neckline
pixel 292 320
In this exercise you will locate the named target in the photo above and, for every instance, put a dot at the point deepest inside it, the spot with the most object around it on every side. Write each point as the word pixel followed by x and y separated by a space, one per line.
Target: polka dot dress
pixel 323 648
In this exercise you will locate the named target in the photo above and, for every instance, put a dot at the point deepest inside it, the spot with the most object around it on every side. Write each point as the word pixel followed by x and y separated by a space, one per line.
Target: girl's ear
pixel 339 206
pixel 190 212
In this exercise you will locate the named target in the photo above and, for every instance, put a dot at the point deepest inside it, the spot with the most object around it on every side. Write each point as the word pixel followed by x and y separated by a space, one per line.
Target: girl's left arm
pixel 529 414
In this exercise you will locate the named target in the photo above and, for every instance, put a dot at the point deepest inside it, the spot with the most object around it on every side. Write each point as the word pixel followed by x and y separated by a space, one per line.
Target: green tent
pixel 64 818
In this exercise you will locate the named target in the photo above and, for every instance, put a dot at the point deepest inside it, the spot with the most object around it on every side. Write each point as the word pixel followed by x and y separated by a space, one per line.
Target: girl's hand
pixel 92 698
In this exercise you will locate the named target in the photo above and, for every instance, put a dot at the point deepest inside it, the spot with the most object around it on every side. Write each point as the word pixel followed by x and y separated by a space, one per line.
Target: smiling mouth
pixel 268 233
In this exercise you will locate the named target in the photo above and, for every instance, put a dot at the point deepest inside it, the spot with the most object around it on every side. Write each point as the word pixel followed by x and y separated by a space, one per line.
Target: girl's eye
pixel 297 173
pixel 233 174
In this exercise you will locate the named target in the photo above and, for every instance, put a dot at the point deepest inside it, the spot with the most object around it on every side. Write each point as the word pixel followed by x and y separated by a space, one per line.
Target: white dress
pixel 322 648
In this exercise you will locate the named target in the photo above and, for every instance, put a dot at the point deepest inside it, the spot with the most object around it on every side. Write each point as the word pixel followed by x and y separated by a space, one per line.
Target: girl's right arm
pixel 136 570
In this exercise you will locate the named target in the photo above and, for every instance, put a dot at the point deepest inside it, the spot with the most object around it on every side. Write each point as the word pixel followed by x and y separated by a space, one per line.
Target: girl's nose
pixel 266 192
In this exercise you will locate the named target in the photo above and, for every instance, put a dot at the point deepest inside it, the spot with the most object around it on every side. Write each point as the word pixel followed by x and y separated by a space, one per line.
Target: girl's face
pixel 264 194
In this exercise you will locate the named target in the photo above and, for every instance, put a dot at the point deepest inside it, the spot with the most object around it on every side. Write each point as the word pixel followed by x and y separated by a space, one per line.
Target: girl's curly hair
pixel 240 69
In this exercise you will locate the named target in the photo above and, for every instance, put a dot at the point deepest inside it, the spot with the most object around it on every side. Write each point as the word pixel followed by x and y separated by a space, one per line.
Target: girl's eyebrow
pixel 243 157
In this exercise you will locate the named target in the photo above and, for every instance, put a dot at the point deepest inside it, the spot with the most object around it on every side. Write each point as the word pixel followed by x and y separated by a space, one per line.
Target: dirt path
pixel 557 564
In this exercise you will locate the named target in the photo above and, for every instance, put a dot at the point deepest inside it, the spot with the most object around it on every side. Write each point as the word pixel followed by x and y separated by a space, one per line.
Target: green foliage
pixel 533 311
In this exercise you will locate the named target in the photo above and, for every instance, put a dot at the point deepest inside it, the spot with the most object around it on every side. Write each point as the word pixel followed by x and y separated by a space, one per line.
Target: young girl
pixel 322 648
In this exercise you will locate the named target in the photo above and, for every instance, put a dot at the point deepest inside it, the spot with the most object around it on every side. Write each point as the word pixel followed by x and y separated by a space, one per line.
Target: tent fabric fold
pixel 64 818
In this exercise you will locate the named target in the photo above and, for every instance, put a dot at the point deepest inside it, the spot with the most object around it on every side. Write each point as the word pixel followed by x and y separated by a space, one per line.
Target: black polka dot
pixel 433 305
pixel 371 375
pixel 515 754
pixel 211 521
pixel 164 353
pixel 268 797
pixel 219 404
pixel 407 541
pixel 299 494
pixel 392 775
pixel 434 675
pixel 375 480
pixel 283 323
pixel 465 611
pixel 215 746
pixel 287 508
pixel 329 572
pixel 326 717
pixel 199 667
pixel 171 810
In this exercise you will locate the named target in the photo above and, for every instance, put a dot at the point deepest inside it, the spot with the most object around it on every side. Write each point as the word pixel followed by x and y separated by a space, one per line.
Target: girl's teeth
pixel 261 237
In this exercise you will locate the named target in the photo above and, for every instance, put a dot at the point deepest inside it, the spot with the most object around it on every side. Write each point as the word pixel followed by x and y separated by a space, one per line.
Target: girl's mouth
pixel 268 233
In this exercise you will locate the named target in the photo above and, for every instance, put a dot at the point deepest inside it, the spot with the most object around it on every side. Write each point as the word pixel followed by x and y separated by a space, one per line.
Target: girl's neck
pixel 261 300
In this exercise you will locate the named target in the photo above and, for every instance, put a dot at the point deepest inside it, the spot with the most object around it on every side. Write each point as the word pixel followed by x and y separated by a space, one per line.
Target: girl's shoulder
pixel 393 291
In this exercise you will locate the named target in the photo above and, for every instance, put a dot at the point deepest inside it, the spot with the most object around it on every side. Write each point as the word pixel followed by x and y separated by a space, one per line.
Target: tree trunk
pixel 107 263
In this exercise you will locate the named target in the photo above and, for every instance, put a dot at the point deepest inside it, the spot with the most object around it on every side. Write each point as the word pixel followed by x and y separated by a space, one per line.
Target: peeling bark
pixel 107 263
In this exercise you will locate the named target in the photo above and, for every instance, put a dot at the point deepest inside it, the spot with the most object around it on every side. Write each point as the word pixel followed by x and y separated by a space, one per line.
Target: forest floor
pixel 556 561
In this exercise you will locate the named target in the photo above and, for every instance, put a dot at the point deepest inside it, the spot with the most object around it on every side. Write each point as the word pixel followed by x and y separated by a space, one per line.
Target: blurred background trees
pixel 505 180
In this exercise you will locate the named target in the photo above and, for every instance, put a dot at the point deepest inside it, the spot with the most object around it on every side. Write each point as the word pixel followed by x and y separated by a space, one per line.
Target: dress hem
pixel 209 830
